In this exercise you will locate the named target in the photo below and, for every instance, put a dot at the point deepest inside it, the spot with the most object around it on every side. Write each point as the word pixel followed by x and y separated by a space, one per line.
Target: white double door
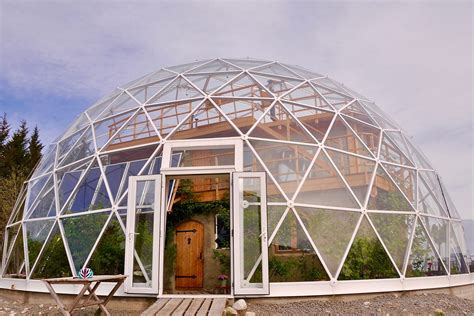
pixel 146 224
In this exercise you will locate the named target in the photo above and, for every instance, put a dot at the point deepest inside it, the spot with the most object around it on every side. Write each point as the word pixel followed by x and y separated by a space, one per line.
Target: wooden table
pixel 90 286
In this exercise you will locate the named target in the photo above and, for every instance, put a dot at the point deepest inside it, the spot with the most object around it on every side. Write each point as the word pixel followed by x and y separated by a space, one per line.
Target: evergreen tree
pixel 4 133
pixel 15 154
pixel 34 149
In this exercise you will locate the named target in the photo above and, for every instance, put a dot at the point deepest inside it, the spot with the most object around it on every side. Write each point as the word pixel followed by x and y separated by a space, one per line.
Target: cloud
pixel 413 59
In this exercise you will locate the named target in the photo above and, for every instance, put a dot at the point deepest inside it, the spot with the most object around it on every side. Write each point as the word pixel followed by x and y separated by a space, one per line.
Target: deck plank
pixel 182 307
pixel 204 307
pixel 153 309
pixel 218 305
pixel 194 307
pixel 170 307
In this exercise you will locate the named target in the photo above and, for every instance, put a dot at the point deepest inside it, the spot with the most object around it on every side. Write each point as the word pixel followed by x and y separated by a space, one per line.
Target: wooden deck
pixel 187 306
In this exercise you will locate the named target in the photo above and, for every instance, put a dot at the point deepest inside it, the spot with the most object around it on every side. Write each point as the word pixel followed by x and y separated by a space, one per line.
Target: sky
pixel 413 58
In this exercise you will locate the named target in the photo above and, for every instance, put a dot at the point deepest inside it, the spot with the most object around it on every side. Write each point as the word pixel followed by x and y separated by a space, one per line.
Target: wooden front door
pixel 189 255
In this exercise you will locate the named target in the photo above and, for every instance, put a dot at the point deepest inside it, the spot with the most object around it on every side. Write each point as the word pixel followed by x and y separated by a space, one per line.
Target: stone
pixel 228 311
pixel 366 303
pixel 240 305
pixel 438 311
pixel 250 314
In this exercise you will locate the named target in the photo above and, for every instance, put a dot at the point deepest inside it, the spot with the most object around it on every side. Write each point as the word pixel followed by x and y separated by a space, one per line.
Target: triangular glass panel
pixel 114 174
pixel 458 230
pixel 251 163
pixel 18 207
pixel 307 95
pixel 431 180
pixel 336 99
pixel 427 202
pixel 81 234
pixel 246 63
pixel 138 131
pixel 95 110
pixel 83 148
pixel 438 230
pixel 316 121
pixel 453 212
pixel 150 79
pixel 274 214
pixel 134 168
pixel 36 233
pixel 79 124
pixel 242 112
pixel 277 85
pixel 105 130
pixel 303 72
pixel 208 83
pixel 405 179
pixel 321 223
pixel 457 263
pixel 214 66
pixel 399 140
pixel 205 122
pixel 10 237
pixel 276 69
pixel 356 171
pixel 243 86
pixel 287 163
pixel 186 67
pixel 368 134
pixel 367 258
pixel 143 93
pixel 332 84
pixel 45 205
pixel 179 89
pixel 395 230
pixel 355 110
pixel 35 188
pixel 423 260
pixel 166 117
pixel 385 195
pixel 65 145
pixel 381 118
pixel 278 124
pixel 67 179
pixel 341 137
pixel 391 153
pixel 122 104
pixel 47 161
pixel 16 260
pixel 418 158
pixel 53 262
pixel 108 257
pixel 292 250
pixel 324 186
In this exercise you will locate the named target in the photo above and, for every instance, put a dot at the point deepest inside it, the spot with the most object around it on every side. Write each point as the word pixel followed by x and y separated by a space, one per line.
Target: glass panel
pixel 85 194
pixel 382 118
pixel 357 172
pixel 206 122
pixel 276 69
pixel 280 125
pixel 399 140
pixel 16 260
pixel 307 95
pixel 134 168
pixel 384 195
pixel 243 113
pixel 67 180
pixel 332 84
pixel 316 122
pixel 81 234
pixel 108 257
pixel 251 163
pixel 460 236
pixel 395 231
pixel 95 110
pixel 121 104
pixel 105 130
pixel 453 212
pixel 275 84
pixel 336 100
pixel 206 157
pixel 166 117
pixel 405 179
pixel 45 204
pixel 35 187
pixel 210 82
pixel 355 110
pixel 47 162
pixel 342 137
pixel 186 67
pixel 324 186
pixel 370 135
pixel 246 63
pixel 291 255
pixel 431 180
pixel 36 234
pixel 159 75
pixel 367 258
pixel 179 89
pixel 274 214
pixel 65 145
pixel 83 148
pixel 143 93
pixel 287 163
pixel 213 66
pixel 419 159
pixel 53 262
pixel 321 223
pixel 427 202
pixel 303 72
pixel 391 153
pixel 243 86
pixel 423 260
pixel 438 231
pixel 457 263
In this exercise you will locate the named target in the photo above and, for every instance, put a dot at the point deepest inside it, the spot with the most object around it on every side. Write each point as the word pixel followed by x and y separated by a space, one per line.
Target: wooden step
pixel 187 306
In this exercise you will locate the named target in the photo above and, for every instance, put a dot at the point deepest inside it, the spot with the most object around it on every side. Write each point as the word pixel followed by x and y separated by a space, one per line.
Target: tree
pixel 4 131
pixel 15 154
pixel 34 149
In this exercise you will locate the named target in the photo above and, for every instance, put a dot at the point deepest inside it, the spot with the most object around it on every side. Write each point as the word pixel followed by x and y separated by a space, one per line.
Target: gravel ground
pixel 425 304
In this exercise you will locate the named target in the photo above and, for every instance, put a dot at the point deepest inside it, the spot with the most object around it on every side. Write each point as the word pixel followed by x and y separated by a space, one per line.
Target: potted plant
pixel 223 278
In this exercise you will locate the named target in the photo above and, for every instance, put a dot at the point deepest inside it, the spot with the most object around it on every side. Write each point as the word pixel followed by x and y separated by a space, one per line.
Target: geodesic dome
pixel 348 194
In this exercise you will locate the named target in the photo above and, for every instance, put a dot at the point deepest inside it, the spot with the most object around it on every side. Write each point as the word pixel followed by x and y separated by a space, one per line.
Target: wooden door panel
pixel 189 255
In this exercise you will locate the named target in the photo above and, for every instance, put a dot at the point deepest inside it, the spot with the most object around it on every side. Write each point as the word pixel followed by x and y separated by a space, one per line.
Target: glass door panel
pixel 250 235
pixel 141 251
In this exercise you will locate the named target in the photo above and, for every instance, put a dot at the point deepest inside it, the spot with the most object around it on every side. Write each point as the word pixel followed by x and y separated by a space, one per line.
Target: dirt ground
pixel 425 304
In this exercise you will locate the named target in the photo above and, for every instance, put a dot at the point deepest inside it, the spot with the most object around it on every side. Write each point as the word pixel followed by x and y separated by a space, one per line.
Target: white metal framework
pixel 338 171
